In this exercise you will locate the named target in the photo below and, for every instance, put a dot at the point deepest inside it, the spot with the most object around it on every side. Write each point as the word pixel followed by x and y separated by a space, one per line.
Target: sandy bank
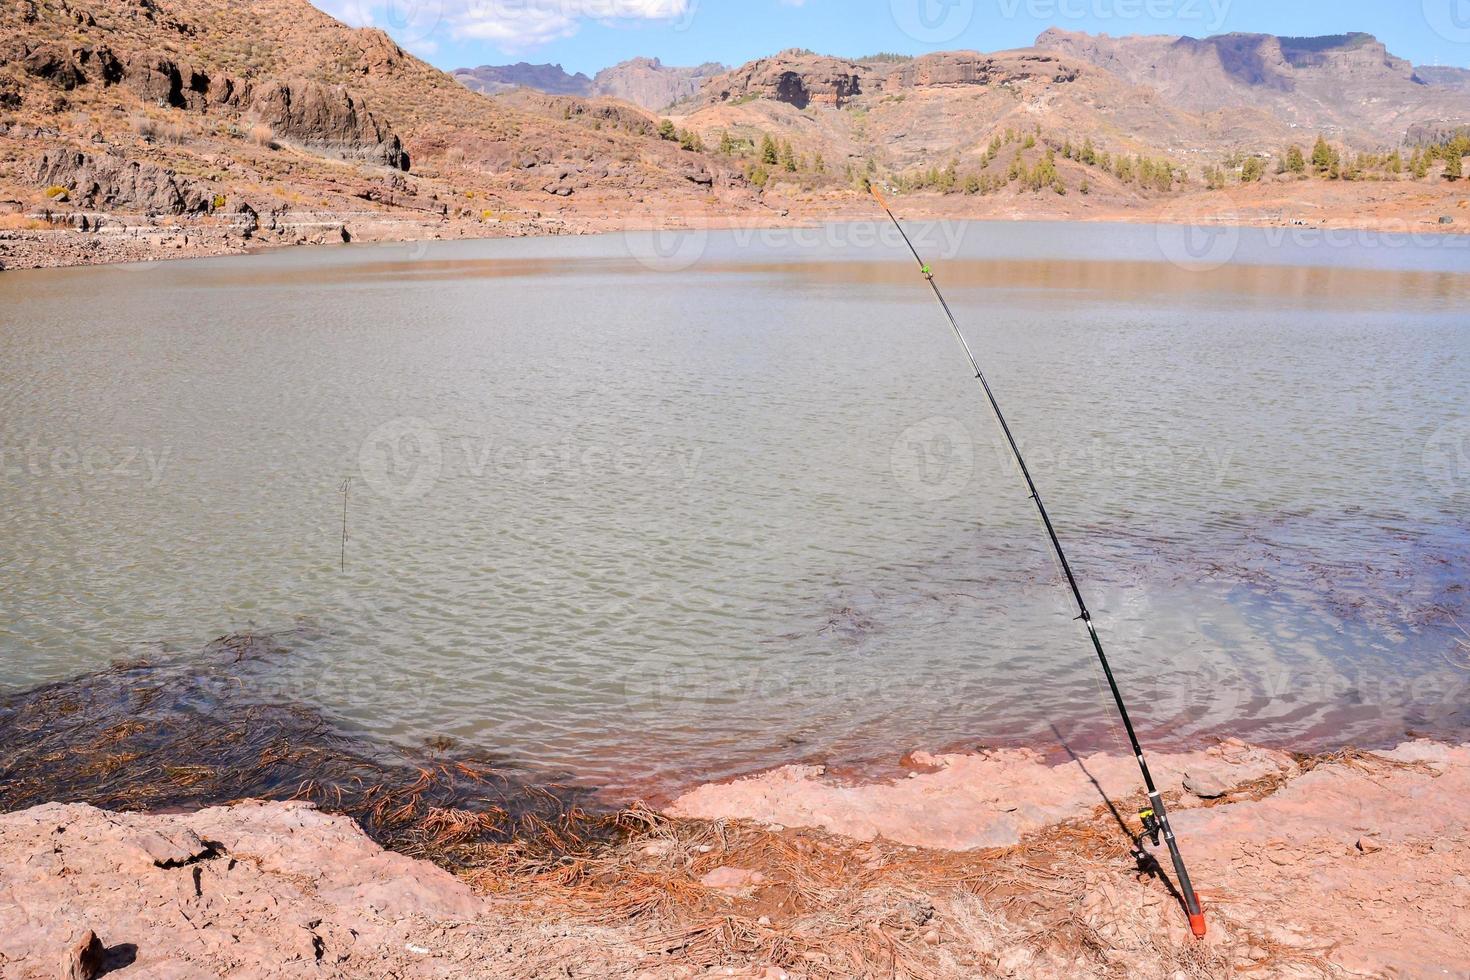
pixel 1351 864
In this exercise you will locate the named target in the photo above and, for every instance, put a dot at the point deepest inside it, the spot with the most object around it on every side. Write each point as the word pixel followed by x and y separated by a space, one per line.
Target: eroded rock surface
pixel 103 181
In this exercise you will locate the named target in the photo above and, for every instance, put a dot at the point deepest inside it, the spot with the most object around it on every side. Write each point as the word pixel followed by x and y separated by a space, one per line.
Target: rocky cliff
pixel 973 68
pixel 1347 85
pixel 795 77
pixel 325 118
pixel 650 83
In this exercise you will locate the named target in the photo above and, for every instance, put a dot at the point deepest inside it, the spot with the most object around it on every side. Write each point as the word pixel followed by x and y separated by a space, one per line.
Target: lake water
pixel 655 511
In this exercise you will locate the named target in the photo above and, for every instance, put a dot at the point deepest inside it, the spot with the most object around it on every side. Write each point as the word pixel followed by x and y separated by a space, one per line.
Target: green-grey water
pixel 659 510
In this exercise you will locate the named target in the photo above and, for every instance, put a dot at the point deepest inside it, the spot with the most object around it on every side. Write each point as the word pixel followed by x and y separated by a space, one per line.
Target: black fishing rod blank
pixel 1156 818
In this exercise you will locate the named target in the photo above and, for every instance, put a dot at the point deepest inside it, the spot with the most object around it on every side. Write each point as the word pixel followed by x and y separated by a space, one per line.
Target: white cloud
pixel 512 25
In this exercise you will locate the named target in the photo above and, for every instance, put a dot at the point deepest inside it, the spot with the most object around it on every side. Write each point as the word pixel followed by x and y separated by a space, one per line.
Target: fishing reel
pixel 1152 829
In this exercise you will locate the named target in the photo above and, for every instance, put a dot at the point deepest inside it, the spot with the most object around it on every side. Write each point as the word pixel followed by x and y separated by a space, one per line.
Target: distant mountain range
pixel 1347 84
pixel 1230 90
pixel 645 82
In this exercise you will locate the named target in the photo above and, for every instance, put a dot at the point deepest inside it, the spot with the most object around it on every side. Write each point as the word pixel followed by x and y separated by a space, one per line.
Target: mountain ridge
pixel 645 82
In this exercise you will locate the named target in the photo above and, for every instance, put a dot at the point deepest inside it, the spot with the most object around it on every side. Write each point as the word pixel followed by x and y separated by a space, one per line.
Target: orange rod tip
pixel 878 195
pixel 1197 925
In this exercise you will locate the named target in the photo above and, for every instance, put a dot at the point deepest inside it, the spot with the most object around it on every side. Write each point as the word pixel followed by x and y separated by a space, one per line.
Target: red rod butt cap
pixel 1197 925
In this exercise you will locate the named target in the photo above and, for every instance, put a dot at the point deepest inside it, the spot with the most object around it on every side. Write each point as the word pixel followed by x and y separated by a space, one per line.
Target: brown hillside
pixel 273 113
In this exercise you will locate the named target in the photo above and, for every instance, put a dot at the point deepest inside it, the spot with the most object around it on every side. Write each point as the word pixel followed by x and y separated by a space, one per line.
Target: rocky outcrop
pixel 64 67
pixel 161 79
pixel 797 78
pixel 973 68
pixel 108 182
pixel 327 119
pixel 323 118
pixel 650 83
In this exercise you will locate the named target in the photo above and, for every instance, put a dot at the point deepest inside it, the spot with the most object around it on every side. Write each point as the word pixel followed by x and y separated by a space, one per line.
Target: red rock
pixel 83 958
pixel 173 850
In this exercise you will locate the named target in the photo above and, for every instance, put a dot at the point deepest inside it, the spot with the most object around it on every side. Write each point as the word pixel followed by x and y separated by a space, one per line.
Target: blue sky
pixel 585 35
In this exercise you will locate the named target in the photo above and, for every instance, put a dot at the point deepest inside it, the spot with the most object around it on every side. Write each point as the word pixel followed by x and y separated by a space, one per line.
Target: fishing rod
pixel 1155 818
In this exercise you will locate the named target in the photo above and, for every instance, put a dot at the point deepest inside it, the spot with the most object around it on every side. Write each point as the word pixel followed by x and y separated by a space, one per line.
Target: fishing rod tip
pixel 1197 925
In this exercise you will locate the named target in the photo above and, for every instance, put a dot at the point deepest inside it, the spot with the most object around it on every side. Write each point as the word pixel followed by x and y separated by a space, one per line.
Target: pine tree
pixel 667 131
pixel 1454 165
pixel 1296 161
pixel 770 156
pixel 1323 156
pixel 1252 170
pixel 727 143
pixel 788 157
pixel 1089 152
pixel 950 177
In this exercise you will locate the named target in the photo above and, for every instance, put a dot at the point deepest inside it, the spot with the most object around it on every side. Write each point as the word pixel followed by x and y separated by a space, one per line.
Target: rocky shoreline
pixel 100 238
pixel 1352 864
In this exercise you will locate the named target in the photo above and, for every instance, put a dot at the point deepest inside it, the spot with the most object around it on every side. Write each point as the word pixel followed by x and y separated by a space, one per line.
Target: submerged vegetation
pixel 146 736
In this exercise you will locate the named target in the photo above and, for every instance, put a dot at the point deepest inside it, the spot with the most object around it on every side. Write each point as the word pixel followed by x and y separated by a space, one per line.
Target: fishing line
pixel 344 489
pixel 1155 818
